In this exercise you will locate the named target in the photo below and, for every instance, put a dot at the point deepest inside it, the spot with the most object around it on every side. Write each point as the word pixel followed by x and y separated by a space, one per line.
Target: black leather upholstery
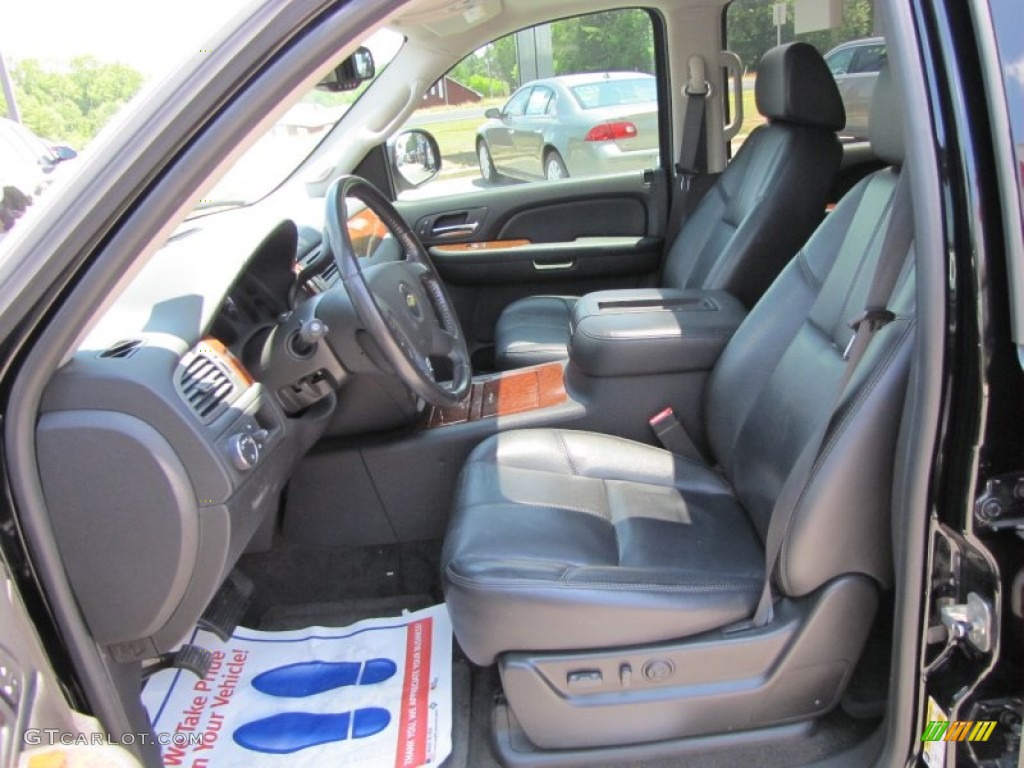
pixel 652 330
pixel 577 540
pixel 748 225
pixel 533 330
pixel 564 539
pixel 794 84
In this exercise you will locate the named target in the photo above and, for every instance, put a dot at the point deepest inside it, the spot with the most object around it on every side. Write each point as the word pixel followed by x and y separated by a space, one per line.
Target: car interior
pixel 641 439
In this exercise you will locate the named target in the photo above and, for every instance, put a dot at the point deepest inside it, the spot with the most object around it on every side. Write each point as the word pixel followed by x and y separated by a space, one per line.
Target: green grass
pixel 457 140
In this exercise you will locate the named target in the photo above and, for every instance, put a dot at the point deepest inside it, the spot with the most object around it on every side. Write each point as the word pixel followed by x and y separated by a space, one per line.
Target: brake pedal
pixel 191 658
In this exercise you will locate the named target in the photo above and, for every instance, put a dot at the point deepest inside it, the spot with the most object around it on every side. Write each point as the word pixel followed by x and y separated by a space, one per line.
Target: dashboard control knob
pixel 243 451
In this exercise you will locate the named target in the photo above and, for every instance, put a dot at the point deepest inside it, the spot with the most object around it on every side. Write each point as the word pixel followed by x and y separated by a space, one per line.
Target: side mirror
pixel 64 152
pixel 493 113
pixel 415 158
pixel 350 74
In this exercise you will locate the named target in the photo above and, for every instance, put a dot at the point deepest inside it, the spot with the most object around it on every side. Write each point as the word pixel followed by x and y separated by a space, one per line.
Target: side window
pixel 538 103
pixel 841 61
pixel 517 104
pixel 869 58
pixel 591 76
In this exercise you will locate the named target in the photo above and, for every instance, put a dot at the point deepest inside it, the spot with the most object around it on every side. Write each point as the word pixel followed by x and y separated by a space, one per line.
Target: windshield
pixel 295 135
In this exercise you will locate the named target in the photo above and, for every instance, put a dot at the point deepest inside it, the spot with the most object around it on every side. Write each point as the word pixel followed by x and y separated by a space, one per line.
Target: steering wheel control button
pixel 410 300
pixel 585 678
pixel 244 451
pixel 658 670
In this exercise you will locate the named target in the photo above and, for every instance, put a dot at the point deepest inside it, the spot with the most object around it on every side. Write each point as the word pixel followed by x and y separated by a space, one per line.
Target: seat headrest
pixel 794 84
pixel 885 122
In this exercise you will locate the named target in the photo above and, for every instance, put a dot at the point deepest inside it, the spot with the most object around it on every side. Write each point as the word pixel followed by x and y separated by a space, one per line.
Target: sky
pixel 150 36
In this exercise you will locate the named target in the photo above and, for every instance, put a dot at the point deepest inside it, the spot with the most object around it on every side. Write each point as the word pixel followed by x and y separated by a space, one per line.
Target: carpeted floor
pixel 291 575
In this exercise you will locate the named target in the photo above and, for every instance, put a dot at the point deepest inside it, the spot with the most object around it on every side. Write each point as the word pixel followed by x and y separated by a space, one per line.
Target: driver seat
pixel 613 582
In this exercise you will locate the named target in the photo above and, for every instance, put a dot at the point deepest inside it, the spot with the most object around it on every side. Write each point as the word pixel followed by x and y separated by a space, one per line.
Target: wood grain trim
pixel 526 389
pixel 490 245
pixel 216 346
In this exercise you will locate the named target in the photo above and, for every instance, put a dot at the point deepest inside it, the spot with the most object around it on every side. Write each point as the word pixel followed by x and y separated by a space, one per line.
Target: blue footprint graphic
pixel 292 731
pixel 307 678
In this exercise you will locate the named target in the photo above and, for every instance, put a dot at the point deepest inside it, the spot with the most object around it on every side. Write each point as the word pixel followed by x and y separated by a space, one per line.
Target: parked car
pixel 570 126
pixel 855 66
pixel 27 161
pixel 213 411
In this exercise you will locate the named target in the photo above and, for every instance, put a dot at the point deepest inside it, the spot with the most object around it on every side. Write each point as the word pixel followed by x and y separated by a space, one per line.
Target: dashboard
pixel 168 437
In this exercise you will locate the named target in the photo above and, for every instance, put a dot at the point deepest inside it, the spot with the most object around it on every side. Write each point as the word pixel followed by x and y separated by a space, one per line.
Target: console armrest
pixel 651 330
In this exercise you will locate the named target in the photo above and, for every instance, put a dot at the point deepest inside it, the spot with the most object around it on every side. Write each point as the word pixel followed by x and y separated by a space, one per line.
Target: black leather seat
pixel 748 225
pixel 565 541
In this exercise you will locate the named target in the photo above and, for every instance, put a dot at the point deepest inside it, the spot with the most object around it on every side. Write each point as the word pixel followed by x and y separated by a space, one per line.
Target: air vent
pixel 122 349
pixel 309 257
pixel 206 386
pixel 327 278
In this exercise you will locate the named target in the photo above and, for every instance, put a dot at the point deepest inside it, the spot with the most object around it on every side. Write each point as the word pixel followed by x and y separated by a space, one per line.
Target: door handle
pixel 551 266
pixel 455 230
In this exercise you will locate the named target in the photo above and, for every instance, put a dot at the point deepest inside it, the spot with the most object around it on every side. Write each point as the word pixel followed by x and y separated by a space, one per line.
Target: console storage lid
pixel 651 330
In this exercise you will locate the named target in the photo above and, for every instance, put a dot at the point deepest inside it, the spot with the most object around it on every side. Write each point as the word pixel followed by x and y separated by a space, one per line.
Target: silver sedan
pixel 573 125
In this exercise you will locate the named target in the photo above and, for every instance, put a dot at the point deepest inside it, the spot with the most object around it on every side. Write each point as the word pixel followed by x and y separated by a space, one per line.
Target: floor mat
pixel 377 693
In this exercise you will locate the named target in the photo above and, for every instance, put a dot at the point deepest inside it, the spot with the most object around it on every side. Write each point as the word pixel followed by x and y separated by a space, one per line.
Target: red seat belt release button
pixel 669 431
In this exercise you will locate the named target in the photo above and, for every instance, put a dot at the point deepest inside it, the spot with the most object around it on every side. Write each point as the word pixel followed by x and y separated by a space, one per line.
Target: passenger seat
pixel 749 224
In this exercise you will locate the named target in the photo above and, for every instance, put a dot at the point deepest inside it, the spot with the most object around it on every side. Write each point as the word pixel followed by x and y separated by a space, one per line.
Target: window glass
pixel 538 103
pixel 517 104
pixel 594 75
pixel 869 58
pixel 750 31
pixel 840 61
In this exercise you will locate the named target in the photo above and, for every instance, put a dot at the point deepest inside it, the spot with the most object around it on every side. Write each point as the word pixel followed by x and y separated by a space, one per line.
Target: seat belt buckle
pixel 669 431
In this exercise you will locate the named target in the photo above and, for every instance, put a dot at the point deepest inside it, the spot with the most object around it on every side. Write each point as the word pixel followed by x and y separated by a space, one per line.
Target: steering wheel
pixel 403 304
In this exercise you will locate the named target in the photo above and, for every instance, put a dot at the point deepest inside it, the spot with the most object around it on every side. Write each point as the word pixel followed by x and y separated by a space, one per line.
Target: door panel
pixel 567 237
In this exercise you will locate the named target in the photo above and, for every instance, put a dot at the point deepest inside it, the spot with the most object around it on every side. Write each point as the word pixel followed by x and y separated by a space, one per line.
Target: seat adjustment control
pixel 585 678
pixel 626 675
pixel 658 670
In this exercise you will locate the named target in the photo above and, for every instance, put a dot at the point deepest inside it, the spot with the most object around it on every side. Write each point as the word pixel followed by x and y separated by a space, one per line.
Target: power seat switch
pixel 585 678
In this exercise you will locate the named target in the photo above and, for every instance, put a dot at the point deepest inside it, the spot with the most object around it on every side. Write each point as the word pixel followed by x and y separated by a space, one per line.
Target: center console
pixel 651 331
pixel 631 354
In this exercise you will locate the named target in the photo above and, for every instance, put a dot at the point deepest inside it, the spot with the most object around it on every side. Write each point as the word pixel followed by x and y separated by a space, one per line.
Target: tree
pixel 72 106
pixel 604 42
pixel 750 30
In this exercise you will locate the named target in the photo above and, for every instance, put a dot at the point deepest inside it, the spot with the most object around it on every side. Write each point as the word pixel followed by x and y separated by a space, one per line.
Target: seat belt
pixel 693 149
pixel 875 316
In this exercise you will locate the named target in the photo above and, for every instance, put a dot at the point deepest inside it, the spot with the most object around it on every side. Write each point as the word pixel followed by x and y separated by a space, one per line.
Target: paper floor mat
pixel 377 693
